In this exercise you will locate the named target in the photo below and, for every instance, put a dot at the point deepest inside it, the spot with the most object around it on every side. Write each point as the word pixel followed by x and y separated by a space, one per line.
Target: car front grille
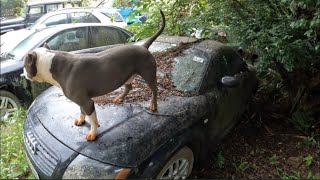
pixel 44 157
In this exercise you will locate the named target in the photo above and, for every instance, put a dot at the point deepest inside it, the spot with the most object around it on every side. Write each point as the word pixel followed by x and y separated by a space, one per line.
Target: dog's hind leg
pixel 154 90
pixel 127 88
pixel 79 121
pixel 89 109
pixel 151 79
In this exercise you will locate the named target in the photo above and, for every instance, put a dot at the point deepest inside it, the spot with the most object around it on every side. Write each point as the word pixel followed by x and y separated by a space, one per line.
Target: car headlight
pixel 85 168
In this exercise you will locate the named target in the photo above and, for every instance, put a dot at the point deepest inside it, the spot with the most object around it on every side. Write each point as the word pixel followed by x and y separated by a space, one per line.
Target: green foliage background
pixel 12 7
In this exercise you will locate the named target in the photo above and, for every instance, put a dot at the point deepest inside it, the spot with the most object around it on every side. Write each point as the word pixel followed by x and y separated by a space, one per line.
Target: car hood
pixel 10 65
pixel 128 133
pixel 8 21
pixel 11 39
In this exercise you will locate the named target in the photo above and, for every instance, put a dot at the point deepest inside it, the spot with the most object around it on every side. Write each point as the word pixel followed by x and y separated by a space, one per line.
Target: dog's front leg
pixel 94 125
pixel 89 109
pixel 79 121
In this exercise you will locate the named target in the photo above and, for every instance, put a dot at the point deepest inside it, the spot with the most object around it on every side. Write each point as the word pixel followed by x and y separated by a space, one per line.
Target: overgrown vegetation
pixel 284 33
pixel 13 162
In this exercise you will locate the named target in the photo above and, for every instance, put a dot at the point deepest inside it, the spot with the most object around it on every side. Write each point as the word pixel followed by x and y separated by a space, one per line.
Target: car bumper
pixel 48 158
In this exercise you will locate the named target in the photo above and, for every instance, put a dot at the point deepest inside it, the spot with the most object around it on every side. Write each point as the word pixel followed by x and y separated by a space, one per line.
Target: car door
pixel 69 40
pixel 106 35
pixel 226 103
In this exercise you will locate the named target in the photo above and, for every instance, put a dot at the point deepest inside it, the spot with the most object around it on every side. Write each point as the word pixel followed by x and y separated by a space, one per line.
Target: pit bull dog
pixel 84 76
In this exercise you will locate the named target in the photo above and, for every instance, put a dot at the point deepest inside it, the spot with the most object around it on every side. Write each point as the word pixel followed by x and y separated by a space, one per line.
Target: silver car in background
pixel 104 16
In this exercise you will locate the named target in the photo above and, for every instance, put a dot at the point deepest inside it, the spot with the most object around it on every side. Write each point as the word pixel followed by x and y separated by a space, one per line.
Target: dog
pixel 84 76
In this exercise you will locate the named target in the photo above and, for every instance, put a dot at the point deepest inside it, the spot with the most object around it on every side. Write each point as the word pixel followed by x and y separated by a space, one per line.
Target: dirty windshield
pixel 188 71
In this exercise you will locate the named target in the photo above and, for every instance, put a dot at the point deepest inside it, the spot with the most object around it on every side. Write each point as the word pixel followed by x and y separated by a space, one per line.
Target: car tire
pixel 9 103
pixel 179 166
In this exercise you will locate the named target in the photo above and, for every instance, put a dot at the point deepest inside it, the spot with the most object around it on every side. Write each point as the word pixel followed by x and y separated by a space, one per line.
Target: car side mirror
pixel 231 81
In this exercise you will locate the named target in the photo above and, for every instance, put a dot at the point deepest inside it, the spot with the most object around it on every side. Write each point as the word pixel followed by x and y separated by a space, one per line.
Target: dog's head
pixel 33 62
pixel 30 66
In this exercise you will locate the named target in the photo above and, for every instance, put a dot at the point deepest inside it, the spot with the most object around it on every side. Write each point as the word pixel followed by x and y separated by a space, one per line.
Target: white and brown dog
pixel 84 76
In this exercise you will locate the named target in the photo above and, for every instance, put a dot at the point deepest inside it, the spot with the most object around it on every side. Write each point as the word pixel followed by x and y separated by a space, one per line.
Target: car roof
pixel 67 10
pixel 50 2
pixel 56 28
pixel 88 8
pixel 75 25
pixel 79 9
pixel 73 9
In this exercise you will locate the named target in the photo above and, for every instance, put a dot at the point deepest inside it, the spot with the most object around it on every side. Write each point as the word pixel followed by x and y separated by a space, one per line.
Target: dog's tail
pixel 154 37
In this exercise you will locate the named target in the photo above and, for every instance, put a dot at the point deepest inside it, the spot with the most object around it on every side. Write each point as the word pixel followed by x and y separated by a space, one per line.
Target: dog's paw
pixel 91 136
pixel 117 100
pixel 79 122
pixel 153 107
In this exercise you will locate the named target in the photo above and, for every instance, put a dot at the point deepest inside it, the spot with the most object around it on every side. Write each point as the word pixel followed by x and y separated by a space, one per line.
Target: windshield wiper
pixel 5 56
pixel 11 56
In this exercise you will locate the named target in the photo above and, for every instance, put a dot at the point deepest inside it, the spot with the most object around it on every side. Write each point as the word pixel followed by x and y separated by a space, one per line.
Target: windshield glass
pixel 188 71
pixel 113 16
pixel 26 45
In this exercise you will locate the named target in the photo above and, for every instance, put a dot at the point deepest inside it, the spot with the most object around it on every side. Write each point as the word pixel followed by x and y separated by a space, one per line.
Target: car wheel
pixel 179 165
pixel 9 103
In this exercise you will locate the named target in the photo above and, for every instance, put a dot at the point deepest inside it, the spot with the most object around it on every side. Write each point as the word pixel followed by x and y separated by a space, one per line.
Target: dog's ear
pixel 30 64
pixel 45 45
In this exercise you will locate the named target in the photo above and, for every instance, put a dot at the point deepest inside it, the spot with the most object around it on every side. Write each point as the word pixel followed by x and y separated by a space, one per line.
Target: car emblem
pixel 32 142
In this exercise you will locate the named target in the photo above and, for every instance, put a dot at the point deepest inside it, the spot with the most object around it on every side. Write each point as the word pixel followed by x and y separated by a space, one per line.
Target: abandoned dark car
pixel 203 88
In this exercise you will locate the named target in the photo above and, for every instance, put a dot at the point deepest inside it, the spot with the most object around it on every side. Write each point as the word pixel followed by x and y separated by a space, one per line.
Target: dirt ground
pixel 264 146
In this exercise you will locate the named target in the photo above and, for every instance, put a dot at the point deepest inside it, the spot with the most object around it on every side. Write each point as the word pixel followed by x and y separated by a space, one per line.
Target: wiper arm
pixel 11 56
pixel 6 56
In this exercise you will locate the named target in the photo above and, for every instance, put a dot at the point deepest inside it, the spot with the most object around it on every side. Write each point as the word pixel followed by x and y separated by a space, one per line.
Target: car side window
pixel 103 36
pixel 69 40
pixel 36 10
pixel 83 17
pixel 56 19
pixel 53 7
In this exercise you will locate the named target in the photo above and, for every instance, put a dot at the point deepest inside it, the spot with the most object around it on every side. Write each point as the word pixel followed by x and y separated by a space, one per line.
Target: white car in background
pixel 105 16
pixel 81 15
